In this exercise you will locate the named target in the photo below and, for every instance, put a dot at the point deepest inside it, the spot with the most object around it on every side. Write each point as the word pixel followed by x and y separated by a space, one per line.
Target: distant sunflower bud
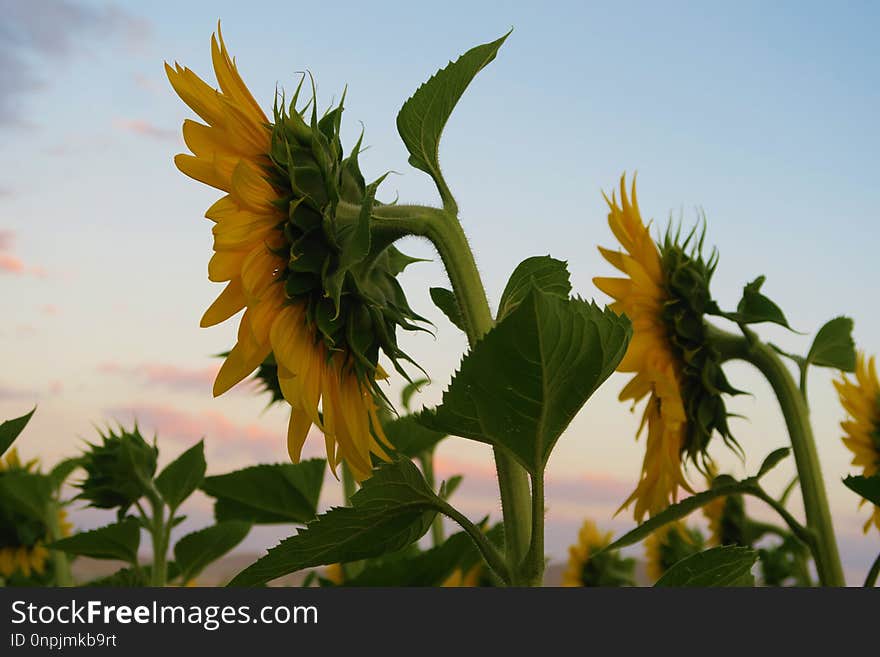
pixel 24 530
pixel 118 470
pixel 670 544
pixel 587 568
pixel 666 295
pixel 293 241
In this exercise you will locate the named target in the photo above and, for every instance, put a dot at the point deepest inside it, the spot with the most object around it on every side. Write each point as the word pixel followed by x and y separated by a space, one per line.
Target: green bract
pixel 688 276
pixel 345 277
pixel 119 470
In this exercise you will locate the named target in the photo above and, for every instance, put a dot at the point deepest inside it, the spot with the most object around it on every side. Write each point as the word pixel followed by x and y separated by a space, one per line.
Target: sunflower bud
pixel 24 531
pixel 119 470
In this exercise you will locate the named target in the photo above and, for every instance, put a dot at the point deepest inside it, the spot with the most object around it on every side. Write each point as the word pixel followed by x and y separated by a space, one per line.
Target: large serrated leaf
pixel 117 541
pixel 393 509
pixel 411 438
pixel 279 493
pixel 182 476
pixel 542 272
pixel 727 565
pixel 429 568
pixel 833 346
pixel 524 381
pixel 422 118
pixel 197 550
pixel 11 429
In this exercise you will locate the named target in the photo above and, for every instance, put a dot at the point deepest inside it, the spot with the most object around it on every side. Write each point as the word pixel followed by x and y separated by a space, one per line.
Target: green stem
pixel 490 553
pixel 533 568
pixel 160 534
pixel 427 461
pixel 445 232
pixel 794 410
pixel 60 560
pixel 871 579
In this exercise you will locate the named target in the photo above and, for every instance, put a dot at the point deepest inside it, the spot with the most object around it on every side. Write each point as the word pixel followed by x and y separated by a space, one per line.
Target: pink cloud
pixel 56 387
pixel 148 84
pixel 11 265
pixel 144 128
pixel 168 376
pixel 50 309
pixel 15 394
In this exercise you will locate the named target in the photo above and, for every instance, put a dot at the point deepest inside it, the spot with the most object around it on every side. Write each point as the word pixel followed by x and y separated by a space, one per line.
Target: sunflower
pixel 23 538
pixel 585 568
pixel 861 400
pixel 668 545
pixel 472 577
pixel 292 242
pixel 665 294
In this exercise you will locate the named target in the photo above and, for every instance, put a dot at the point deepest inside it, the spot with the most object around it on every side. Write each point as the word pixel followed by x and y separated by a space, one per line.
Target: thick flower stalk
pixel 665 293
pixel 860 398
pixel 293 244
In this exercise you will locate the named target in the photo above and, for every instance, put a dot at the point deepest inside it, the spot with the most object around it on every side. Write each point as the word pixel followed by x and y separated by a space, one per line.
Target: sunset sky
pixel 762 115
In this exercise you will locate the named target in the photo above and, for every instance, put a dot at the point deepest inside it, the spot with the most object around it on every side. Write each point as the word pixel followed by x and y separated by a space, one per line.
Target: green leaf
pixel 429 568
pixel 63 470
pixel 773 459
pixel 195 551
pixel 542 272
pixel 448 487
pixel 410 437
pixel 722 487
pixel 409 390
pixel 284 492
pixel 522 384
pixel 754 307
pixel 28 493
pixel 728 565
pixel 866 487
pixel 422 118
pixel 445 300
pixel 183 475
pixel 117 541
pixel 131 578
pixel 10 430
pixel 393 509
pixel 833 346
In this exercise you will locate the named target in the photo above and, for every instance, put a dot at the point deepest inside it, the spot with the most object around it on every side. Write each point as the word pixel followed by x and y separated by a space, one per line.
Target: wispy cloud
pixel 220 432
pixel 145 129
pixel 8 393
pixel 166 376
pixel 35 33
pixel 12 264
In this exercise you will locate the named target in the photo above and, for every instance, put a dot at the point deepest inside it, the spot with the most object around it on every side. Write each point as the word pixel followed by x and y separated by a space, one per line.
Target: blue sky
pixel 763 115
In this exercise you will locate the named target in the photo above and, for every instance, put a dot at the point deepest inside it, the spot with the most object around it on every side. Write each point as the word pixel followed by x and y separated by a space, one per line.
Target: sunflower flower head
pixel 293 243
pixel 668 545
pixel 587 568
pixel 665 293
pixel 118 469
pixel 24 532
pixel 860 397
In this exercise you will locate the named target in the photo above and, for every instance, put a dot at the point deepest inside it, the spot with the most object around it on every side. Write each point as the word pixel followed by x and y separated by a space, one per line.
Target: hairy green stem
pixel 533 567
pixel 427 462
pixel 797 420
pixel 446 234
pixel 492 556
pixel 160 534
